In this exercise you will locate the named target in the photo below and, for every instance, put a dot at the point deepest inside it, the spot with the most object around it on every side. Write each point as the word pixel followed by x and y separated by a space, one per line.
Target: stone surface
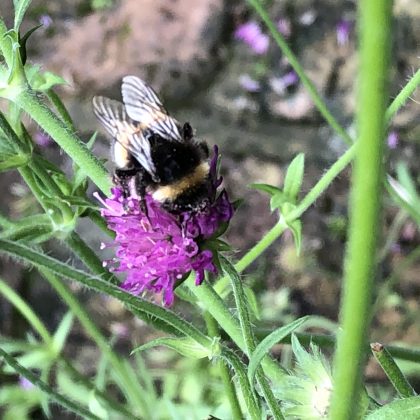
pixel 171 44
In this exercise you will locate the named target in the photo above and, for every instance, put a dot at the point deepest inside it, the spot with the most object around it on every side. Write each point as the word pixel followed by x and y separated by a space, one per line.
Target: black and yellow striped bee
pixel 150 146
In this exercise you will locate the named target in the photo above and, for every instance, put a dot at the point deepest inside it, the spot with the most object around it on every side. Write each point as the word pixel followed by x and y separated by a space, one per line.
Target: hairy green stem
pixel 403 96
pixel 365 206
pixel 229 386
pixel 392 371
pixel 89 258
pixel 69 142
pixel 248 334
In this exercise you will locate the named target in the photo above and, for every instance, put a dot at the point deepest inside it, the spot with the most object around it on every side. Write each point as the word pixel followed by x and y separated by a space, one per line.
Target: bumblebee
pixel 157 151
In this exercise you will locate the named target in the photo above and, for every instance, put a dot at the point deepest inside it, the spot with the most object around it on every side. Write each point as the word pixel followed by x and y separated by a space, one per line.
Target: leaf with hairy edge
pixel 406 409
pixel 265 346
pixel 294 177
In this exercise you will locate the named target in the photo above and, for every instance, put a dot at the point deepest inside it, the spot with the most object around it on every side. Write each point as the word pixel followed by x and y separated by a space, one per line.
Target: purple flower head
pixel 250 33
pixel 284 26
pixel 343 30
pixel 159 250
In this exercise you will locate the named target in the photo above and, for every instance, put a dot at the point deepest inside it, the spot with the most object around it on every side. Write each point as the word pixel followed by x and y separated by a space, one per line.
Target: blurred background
pixel 214 64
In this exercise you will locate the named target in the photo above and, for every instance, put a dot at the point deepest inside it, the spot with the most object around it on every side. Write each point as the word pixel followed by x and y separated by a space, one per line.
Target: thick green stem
pixel 68 141
pixel 365 206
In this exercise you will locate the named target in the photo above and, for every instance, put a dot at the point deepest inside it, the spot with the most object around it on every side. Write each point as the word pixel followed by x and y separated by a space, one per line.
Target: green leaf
pixel 269 189
pixel 62 332
pixel 406 409
pixel 294 177
pixel 22 42
pixel 296 228
pixel 183 345
pixel 45 81
pixel 265 345
pixel 20 9
pixel 96 407
pixel 277 200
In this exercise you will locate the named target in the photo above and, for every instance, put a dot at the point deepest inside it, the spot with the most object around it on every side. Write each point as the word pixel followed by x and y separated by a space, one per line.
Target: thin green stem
pixel 316 97
pixel 248 334
pixel 403 96
pixel 89 258
pixel 27 312
pixel 44 387
pixel 365 206
pixel 107 399
pixel 392 371
pixel 68 141
pixel 229 386
pixel 133 394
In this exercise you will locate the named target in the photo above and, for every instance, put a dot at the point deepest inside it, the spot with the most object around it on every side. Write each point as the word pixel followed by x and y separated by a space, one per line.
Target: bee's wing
pixel 144 106
pixel 114 118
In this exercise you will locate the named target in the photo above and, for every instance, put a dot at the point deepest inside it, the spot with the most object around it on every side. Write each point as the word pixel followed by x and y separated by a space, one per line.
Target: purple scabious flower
pixel 393 140
pixel 250 33
pixel 158 250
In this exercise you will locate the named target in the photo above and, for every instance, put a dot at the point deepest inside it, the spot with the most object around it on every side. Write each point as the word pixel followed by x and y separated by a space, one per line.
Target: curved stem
pixel 365 206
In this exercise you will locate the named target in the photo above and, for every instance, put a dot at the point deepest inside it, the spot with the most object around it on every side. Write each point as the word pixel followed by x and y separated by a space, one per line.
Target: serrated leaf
pixel 62 332
pixel 294 177
pixel 265 345
pixel 277 200
pixel 406 409
pixel 183 345
pixel 269 189
pixel 296 228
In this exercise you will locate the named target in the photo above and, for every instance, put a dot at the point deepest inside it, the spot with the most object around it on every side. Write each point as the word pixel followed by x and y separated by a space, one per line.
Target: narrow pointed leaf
pixel 269 189
pixel 406 409
pixel 294 177
pixel 265 345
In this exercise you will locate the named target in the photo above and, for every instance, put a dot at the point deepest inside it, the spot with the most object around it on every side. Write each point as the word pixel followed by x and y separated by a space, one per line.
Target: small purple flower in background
pixel 45 21
pixel 42 139
pixel 249 84
pixel 280 84
pixel 343 30
pixel 250 33
pixel 160 249
pixel 393 140
pixel 284 27
pixel 25 383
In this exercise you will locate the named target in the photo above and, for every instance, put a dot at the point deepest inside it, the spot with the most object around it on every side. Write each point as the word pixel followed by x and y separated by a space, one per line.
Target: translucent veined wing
pixel 114 118
pixel 144 106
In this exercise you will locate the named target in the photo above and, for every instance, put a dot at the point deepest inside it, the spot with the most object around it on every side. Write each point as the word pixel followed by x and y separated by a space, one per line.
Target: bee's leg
pixel 122 178
pixel 140 182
